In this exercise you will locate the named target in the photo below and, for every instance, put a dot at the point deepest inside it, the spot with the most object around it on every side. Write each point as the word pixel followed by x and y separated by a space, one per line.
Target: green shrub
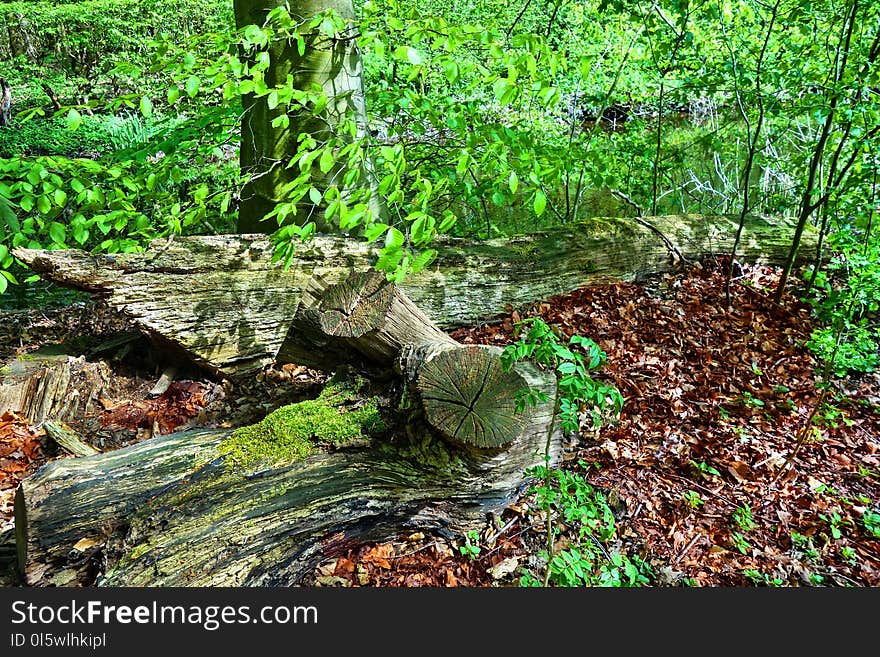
pixel 52 137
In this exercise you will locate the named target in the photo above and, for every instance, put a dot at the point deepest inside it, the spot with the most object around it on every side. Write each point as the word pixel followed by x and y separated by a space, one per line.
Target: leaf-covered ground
pixel 717 398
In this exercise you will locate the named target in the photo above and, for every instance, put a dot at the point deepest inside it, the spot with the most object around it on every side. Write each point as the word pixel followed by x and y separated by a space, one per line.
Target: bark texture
pixel 332 64
pixel 170 511
pixel 224 302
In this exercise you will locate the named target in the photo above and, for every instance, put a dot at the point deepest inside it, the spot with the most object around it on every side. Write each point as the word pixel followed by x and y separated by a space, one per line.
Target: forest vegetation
pixel 714 417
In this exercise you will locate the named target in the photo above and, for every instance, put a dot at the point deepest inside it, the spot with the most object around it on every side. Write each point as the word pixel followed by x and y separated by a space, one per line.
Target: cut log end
pixel 469 398
pixel 355 307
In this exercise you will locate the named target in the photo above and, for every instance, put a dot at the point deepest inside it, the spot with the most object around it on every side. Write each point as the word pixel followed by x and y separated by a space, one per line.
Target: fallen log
pixel 177 511
pixel 226 304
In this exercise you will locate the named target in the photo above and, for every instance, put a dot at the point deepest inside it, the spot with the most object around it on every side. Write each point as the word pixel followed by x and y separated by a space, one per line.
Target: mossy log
pixel 227 304
pixel 463 391
pixel 178 510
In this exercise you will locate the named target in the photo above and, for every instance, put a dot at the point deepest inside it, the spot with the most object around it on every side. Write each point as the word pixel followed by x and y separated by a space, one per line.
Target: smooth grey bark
pixel 335 65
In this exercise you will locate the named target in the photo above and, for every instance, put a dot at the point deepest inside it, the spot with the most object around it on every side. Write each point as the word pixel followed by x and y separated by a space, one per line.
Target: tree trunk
pixel 333 64
pixel 231 309
pixel 175 510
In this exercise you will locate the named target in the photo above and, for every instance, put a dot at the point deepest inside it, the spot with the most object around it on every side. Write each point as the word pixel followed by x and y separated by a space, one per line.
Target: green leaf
pixel 451 71
pixel 281 121
pixel 57 232
pixel 74 119
pixel 192 86
pixel 9 215
pixel 375 231
pixel 513 182
pixel 315 195
pixel 3 285
pixel 409 54
pixel 540 202
pixel 4 251
pixel 394 239
pixel 422 260
pixel 146 106
pixel 447 223
pixel 80 233
pixel 60 197
pixel 172 95
pixel 327 160
pixel 43 204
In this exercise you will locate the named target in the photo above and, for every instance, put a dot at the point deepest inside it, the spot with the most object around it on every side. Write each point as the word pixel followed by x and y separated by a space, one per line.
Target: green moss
pixel 291 433
pixel 139 550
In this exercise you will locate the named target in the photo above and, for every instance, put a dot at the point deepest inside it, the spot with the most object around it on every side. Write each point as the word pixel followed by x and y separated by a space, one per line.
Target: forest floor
pixel 699 465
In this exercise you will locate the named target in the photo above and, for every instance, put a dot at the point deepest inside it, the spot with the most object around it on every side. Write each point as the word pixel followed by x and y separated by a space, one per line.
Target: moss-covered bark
pixel 172 512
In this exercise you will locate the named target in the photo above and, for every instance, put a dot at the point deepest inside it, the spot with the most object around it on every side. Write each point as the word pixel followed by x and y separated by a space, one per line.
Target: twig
pixel 164 382
pixel 686 548
pixel 673 250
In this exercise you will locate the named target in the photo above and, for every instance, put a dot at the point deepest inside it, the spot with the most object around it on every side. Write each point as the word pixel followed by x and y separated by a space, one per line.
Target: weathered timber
pixel 173 510
pixel 465 394
pixel 88 498
pixel 51 384
pixel 68 439
pixel 463 391
pixel 224 301
pixel 362 316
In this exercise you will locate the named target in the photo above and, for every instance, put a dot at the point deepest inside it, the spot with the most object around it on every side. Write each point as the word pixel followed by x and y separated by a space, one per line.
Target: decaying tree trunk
pixel 227 305
pixel 189 516
pixel 176 510
pixel 173 511
pixel 51 385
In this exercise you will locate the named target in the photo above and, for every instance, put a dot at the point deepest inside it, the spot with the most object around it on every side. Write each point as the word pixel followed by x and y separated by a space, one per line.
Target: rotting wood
pixel 189 519
pixel 223 300
pixel 68 439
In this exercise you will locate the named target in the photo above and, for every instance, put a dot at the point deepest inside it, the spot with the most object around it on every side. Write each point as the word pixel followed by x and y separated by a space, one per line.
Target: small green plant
pixel 804 545
pixel 740 542
pixel 724 413
pixel 572 362
pixel 868 472
pixel 751 401
pixel 743 518
pixel 704 469
pixel 834 520
pixel 849 555
pixel 589 562
pixel 757 371
pixel 692 498
pixel 871 521
pixel 577 394
pixel 831 416
pixel 762 579
pixel 471 548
